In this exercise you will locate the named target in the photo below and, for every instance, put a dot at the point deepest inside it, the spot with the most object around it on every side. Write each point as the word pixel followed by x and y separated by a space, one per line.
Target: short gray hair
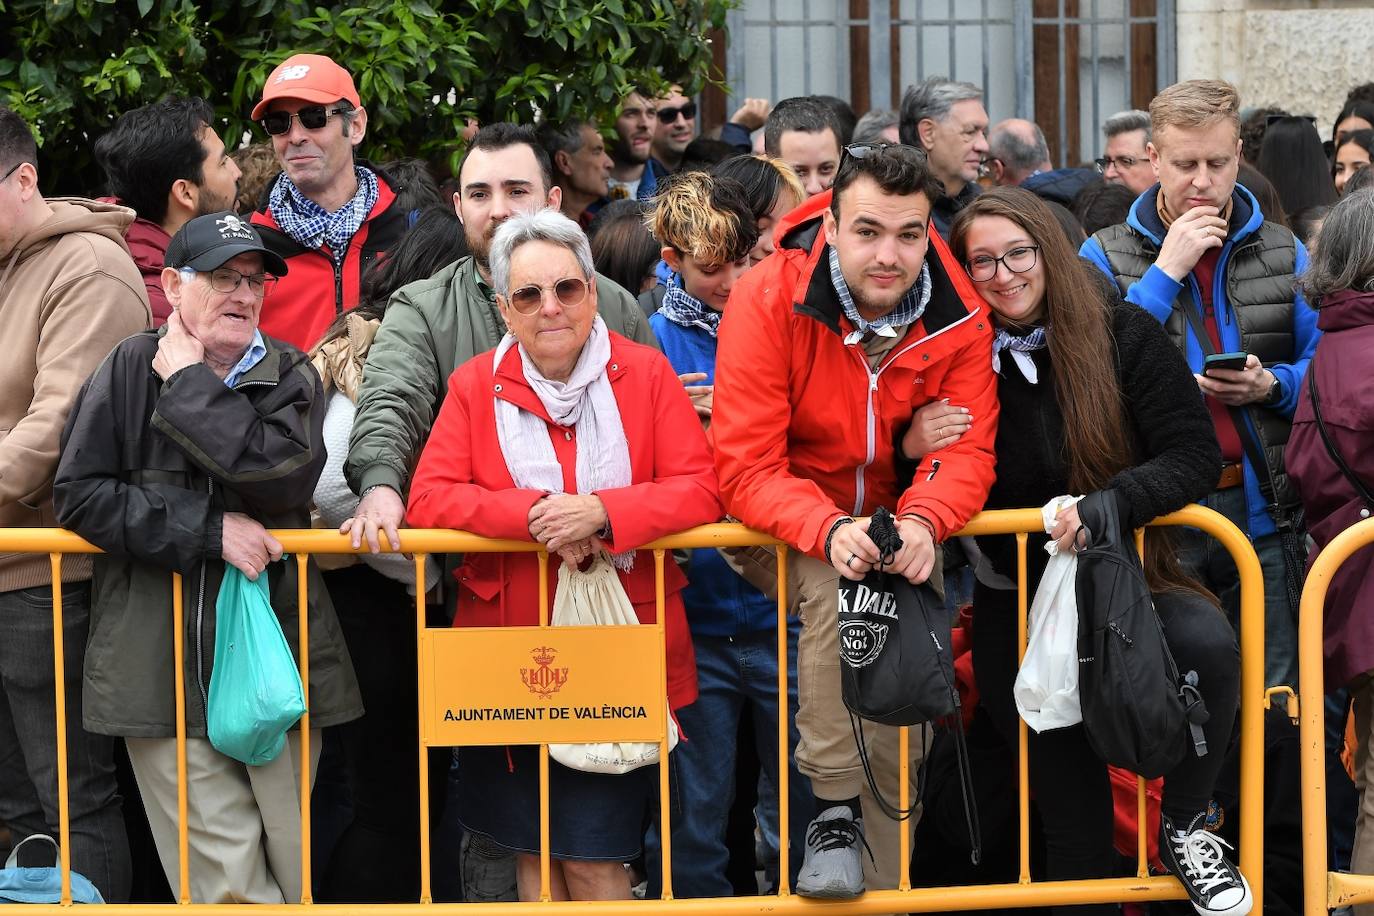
pixel 1009 146
pixel 1344 255
pixel 546 225
pixel 1126 121
pixel 932 99
pixel 870 127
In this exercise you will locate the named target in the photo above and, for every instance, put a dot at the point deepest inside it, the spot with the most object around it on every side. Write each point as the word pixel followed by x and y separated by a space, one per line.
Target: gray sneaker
pixel 832 868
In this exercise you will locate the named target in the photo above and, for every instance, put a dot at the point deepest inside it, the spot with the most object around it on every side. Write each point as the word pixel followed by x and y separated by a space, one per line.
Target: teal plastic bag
pixel 255 687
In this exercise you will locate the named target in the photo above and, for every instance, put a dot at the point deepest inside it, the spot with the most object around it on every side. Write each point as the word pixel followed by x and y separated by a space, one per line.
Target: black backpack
pixel 896 665
pixel 1136 711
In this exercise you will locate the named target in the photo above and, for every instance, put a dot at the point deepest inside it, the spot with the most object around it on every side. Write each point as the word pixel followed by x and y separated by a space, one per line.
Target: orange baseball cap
pixel 310 78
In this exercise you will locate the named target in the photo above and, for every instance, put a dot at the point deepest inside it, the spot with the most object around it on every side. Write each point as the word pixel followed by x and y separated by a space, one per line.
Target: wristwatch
pixel 1275 393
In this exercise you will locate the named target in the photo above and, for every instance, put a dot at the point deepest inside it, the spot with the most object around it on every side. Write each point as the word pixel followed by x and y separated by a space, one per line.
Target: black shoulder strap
pixel 1248 439
pixel 1355 481
pixel 1289 523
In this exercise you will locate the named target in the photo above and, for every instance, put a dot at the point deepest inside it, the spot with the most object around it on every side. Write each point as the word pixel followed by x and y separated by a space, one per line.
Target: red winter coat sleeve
pixel 443 493
pixel 683 492
pixel 749 425
pixel 951 485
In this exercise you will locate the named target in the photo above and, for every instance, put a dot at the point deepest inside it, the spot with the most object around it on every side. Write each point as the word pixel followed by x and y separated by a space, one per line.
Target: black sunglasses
pixel 669 115
pixel 1271 120
pixel 865 150
pixel 14 168
pixel 312 118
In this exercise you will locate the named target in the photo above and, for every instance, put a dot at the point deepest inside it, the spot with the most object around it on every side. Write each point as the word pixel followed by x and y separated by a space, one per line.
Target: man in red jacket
pixel 327 216
pixel 858 319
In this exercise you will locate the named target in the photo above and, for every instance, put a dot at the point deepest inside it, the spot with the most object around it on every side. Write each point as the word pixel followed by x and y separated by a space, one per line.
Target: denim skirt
pixel 592 816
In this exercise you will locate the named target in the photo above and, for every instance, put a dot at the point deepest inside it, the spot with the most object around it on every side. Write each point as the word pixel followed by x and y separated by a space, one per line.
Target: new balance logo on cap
pixel 297 72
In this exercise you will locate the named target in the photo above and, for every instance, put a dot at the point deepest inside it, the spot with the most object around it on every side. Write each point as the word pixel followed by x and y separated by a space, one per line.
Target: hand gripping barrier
pixel 438 647
pixel 1322 889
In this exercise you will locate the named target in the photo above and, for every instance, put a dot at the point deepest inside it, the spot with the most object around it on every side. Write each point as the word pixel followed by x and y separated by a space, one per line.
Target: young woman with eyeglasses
pixel 1094 396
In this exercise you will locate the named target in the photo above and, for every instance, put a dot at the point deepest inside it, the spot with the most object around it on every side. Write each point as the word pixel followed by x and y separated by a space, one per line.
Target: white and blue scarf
pixel 313 226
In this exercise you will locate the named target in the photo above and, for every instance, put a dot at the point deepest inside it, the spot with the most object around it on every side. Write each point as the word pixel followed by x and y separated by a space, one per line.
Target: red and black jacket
pixel 316 291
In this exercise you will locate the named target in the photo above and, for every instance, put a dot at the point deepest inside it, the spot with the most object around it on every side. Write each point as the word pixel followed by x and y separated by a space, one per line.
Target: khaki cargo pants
pixel 827 751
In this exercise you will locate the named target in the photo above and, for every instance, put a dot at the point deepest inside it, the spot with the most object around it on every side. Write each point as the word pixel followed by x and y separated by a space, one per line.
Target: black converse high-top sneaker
pixel 1197 858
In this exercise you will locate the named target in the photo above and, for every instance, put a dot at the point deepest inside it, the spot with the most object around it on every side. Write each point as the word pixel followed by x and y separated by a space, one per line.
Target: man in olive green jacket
pixel 433 326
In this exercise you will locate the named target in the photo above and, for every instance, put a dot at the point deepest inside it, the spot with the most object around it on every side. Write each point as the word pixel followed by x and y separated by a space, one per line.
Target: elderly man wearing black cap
pixel 183 448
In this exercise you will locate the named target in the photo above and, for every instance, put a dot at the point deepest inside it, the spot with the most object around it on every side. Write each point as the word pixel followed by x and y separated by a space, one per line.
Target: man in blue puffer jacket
pixel 1197 253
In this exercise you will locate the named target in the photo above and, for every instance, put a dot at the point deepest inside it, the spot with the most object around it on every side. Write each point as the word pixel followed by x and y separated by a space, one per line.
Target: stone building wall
pixel 1299 56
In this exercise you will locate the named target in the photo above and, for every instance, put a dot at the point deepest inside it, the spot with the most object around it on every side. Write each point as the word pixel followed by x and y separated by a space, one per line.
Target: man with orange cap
pixel 328 215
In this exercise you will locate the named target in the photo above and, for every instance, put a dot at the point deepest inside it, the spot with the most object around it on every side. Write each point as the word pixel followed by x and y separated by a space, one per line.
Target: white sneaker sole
pixel 828 891
pixel 1240 908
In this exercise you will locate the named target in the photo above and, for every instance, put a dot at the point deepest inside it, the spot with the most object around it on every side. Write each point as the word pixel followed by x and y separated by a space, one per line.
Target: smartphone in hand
pixel 1224 361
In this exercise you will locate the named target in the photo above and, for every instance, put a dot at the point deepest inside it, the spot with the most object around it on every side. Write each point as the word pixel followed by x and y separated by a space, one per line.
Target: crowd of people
pixel 911 309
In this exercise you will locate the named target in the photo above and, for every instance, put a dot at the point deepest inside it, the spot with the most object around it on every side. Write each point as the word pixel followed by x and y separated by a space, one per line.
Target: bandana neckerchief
pixel 311 225
pixel 682 308
pixel 909 308
pixel 1020 349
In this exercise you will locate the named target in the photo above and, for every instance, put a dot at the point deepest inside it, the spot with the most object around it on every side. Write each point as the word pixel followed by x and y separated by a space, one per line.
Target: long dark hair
pixel 1292 159
pixel 623 249
pixel 1081 347
pixel 1078 307
pixel 1266 195
pixel 765 181
pixel 435 241
pixel 1364 139
pixel 1354 108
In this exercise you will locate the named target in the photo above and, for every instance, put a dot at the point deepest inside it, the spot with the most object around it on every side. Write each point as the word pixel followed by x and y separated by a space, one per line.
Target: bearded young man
pixel 858 319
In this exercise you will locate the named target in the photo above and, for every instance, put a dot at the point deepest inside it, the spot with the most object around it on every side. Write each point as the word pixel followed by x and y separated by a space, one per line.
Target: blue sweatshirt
pixel 719 602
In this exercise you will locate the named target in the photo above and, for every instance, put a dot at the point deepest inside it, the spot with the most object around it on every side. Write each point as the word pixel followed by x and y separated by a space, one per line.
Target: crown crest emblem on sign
pixel 544 680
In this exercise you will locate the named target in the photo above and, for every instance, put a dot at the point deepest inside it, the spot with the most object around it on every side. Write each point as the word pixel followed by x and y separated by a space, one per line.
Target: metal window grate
pixel 781 48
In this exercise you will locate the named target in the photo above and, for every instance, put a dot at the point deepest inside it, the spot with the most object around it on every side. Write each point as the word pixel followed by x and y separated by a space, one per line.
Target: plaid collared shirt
pixel 909 308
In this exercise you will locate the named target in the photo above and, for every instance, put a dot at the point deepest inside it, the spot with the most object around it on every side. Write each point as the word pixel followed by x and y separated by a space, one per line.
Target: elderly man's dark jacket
pixel 148 470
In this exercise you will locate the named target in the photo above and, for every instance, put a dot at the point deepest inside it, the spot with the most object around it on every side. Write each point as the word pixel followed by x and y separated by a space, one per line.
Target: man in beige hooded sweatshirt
pixel 69 291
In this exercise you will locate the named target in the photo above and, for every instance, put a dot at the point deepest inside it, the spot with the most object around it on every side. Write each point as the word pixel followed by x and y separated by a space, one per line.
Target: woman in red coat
pixel 582 440
pixel 1339 284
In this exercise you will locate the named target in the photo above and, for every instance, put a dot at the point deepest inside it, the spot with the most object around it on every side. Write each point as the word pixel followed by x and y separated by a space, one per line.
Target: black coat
pixel 1178 460
pixel 148 469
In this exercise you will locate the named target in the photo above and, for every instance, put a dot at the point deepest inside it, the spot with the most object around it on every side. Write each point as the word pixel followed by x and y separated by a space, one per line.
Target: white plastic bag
pixel 1046 688
pixel 595 598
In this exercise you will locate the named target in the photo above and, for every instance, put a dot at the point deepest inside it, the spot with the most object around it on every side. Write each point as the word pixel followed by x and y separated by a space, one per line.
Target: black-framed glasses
pixel 227 280
pixel 669 115
pixel 14 168
pixel 1018 260
pixel 570 292
pixel 1121 163
pixel 312 117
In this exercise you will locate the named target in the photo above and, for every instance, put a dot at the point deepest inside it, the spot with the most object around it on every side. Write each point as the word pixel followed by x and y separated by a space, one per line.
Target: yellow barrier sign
pixel 529 685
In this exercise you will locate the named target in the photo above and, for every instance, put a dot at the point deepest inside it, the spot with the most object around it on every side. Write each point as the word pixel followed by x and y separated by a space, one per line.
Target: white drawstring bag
pixel 595 598
pixel 1046 688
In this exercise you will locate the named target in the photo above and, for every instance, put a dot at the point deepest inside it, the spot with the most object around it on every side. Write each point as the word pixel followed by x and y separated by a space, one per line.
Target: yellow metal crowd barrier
pixel 1322 889
pixel 437 648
